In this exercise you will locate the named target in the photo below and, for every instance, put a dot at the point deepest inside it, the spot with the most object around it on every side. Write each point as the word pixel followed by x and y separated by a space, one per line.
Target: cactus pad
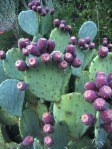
pixel 100 64
pixel 46 81
pixel 11 99
pixel 88 29
pixel 3 76
pixel 61 38
pixel 12 56
pixel 70 109
pixel 28 21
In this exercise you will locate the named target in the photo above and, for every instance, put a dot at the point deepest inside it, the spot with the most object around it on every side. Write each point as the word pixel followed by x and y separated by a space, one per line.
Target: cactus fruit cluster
pixel 55 92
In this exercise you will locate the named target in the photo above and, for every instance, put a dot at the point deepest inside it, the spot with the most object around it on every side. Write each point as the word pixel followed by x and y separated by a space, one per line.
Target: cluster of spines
pixel 62 25
pixel 99 93
pixel 37 7
pixel 47 118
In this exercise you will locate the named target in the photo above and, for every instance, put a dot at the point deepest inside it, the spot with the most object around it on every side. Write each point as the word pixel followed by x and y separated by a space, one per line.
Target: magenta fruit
pixel 90 95
pixel 47 118
pixel 43 13
pixel 21 43
pixel 42 45
pixel 100 81
pixel 30 5
pixel 107 127
pixel 63 22
pixel 33 50
pixel 99 73
pixel 73 40
pixel 62 26
pixel 28 140
pixel 106 116
pixel 51 11
pixel 45 58
pixel 2 54
pixel 87 119
pixel 63 64
pixel 109 77
pixel 99 104
pixel 39 9
pixel 92 45
pixel 47 9
pixel 110 84
pixel 68 57
pixel 105 92
pixel 90 86
pixel 37 3
pixel 70 49
pixel 76 62
pixel 87 40
pixel 85 47
pixel 56 22
pixel 34 7
pixel 68 28
pixel 48 141
pixel 33 62
pixel 81 42
pixel 25 52
pixel 57 56
pixel 103 52
pixel 50 46
pixel 104 42
pixel 47 128
pixel 21 65
pixel 21 85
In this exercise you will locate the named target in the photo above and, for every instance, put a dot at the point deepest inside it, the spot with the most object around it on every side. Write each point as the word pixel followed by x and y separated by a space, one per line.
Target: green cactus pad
pixel 80 82
pixel 70 109
pixel 28 21
pixel 11 99
pixel 100 64
pixel 3 75
pixel 46 81
pixel 60 136
pixel 88 29
pixel 12 56
pixel 80 55
pixel 61 38
pixel 5 134
pixel 8 119
pixel 88 56
pixel 85 143
pixel 36 144
pixel 29 124
pixel 35 38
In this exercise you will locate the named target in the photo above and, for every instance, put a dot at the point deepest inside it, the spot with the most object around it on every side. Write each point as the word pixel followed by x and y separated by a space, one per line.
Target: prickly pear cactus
pixel 3 75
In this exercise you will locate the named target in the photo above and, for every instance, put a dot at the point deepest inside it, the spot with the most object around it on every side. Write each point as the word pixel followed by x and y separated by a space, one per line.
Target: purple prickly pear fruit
pixel 100 73
pixel 100 81
pixel 34 7
pixel 28 140
pixel 50 46
pixel 107 127
pixel 92 45
pixel 106 116
pixel 105 38
pixel 48 128
pixel 57 56
pixel 109 77
pixel 90 86
pixel 99 104
pixel 56 22
pixel 81 42
pixel 47 118
pixel 37 3
pixel 21 85
pixel 51 11
pixel 63 64
pixel 90 95
pixel 42 45
pixel 68 28
pixel 2 54
pixel 85 47
pixel 109 47
pixel 68 57
pixel 62 26
pixel 103 52
pixel 104 42
pixel 43 13
pixel 45 57
pixel 33 50
pixel 33 62
pixel 48 141
pixel 70 49
pixel 105 92
pixel 63 22
pixel 47 9
pixel 87 119
pixel 25 52
pixel 76 62
pixel 110 84
pixel 87 40
pixel 21 65
pixel 73 40
pixel 34 43
pixel 30 5
pixel 39 9
pixel 21 43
